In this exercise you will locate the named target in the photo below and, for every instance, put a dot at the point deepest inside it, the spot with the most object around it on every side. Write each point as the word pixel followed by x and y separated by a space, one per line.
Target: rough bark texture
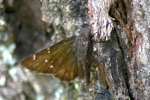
pixel 126 54
pixel 139 66
pixel 138 52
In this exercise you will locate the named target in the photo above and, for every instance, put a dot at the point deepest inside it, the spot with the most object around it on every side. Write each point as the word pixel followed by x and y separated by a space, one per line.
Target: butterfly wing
pixel 59 60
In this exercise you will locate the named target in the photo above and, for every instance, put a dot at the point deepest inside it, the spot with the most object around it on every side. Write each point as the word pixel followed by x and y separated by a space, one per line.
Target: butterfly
pixel 61 60
pixel 66 60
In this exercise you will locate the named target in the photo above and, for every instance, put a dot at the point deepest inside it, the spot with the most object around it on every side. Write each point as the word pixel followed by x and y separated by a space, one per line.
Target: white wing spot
pixel 34 57
pixel 46 61
pixel 51 66
pixel 49 51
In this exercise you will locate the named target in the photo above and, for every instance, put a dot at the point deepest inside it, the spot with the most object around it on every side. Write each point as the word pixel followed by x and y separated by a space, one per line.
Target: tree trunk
pixel 121 37
pixel 126 54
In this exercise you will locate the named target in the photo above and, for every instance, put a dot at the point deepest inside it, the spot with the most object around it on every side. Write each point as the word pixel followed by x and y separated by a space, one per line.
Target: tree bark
pixel 126 54
pixel 122 60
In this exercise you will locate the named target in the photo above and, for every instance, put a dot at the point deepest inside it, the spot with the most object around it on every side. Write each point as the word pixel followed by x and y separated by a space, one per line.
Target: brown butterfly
pixel 62 59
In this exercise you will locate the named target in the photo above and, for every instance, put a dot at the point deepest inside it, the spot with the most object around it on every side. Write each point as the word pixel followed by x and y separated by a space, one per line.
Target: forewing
pixel 59 60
